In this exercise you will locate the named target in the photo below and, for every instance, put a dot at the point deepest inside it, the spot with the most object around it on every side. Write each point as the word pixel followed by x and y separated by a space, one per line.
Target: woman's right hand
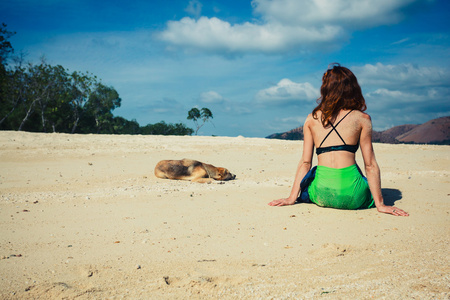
pixel 282 202
pixel 392 210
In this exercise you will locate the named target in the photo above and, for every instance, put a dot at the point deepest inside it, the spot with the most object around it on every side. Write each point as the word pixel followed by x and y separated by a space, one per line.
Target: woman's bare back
pixel 348 126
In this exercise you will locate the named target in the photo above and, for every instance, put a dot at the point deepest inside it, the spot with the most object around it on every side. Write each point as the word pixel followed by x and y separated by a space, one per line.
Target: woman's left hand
pixel 392 210
pixel 282 202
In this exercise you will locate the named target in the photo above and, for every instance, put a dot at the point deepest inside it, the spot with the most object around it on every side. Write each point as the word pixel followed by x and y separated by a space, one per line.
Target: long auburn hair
pixel 339 90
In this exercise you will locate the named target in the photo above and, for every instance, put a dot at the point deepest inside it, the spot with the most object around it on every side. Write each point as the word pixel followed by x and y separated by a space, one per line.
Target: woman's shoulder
pixel 363 119
pixel 310 120
pixel 309 117
pixel 362 115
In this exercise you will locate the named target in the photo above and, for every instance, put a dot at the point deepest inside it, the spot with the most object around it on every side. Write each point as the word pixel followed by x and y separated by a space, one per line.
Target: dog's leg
pixel 203 180
pixel 160 174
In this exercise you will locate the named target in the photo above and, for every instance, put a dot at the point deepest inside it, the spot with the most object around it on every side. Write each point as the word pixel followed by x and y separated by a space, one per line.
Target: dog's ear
pixel 222 172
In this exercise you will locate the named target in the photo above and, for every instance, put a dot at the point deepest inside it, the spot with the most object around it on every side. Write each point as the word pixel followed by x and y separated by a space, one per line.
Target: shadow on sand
pixel 391 195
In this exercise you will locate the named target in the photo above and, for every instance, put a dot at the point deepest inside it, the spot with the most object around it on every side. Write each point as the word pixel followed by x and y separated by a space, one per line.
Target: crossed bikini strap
pixel 334 128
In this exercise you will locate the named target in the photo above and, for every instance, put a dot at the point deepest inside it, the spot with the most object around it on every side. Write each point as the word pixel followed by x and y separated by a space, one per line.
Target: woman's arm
pixel 303 167
pixel 372 169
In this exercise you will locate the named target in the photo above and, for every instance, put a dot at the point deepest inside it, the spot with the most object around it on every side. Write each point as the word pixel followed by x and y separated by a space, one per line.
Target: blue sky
pixel 256 64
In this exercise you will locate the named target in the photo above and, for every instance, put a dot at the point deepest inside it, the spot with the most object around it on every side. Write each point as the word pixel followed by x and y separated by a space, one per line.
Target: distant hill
pixel 294 134
pixel 436 131
pixel 389 136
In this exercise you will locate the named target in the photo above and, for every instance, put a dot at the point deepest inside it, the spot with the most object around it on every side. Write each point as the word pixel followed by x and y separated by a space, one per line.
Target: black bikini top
pixel 345 147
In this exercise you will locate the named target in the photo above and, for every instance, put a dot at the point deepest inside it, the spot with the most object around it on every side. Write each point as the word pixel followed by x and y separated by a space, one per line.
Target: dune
pixel 84 217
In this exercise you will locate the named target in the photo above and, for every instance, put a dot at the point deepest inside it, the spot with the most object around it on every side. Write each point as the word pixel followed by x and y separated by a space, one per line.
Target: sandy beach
pixel 84 217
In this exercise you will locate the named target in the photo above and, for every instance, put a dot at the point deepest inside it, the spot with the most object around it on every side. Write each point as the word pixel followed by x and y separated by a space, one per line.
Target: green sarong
pixel 344 188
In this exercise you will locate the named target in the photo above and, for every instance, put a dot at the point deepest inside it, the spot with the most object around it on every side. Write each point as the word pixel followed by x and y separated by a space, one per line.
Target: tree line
pixel 45 98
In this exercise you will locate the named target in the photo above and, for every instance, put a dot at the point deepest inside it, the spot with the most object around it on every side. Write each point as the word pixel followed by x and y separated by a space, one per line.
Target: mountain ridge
pixel 435 131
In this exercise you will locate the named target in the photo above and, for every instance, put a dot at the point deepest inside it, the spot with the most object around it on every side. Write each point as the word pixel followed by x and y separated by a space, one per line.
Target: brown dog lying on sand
pixel 193 170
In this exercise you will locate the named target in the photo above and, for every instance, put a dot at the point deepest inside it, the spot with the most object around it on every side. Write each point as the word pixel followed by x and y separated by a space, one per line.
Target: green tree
pixel 81 85
pixel 5 45
pixel 98 109
pixel 181 129
pixel 6 108
pixel 162 128
pixel 195 114
pixel 40 97
pixel 11 94
pixel 36 85
pixel 123 126
pixel 42 93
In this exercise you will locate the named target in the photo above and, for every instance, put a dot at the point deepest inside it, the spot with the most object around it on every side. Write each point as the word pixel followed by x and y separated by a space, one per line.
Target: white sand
pixel 83 216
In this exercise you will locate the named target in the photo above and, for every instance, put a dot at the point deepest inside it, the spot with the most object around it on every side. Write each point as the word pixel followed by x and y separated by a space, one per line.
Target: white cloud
pixel 285 26
pixel 402 76
pixel 211 97
pixel 237 108
pixel 402 41
pixel 194 8
pixel 287 91
pixel 422 96
pixel 346 13
pixel 394 97
pixel 416 106
pixel 167 105
pixel 217 36
pixel 217 102
pixel 405 89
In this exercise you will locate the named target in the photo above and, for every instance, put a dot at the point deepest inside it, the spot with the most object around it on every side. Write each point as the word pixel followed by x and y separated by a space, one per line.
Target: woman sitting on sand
pixel 338 125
